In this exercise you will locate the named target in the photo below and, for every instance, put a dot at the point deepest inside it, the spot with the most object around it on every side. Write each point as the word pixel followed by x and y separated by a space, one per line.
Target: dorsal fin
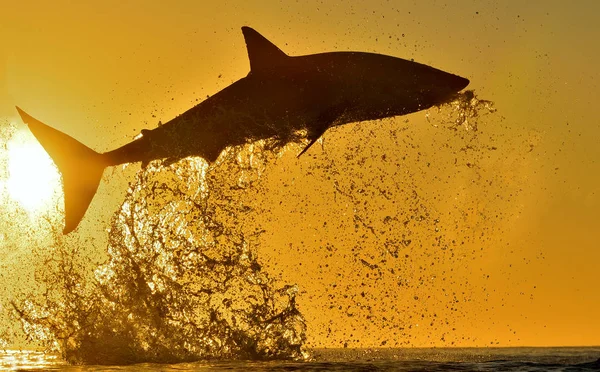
pixel 262 53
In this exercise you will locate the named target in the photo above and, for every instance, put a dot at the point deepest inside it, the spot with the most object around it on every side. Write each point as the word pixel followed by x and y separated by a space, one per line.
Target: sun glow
pixel 33 180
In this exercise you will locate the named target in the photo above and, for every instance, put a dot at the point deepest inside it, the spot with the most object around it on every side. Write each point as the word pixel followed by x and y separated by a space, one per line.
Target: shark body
pixel 280 97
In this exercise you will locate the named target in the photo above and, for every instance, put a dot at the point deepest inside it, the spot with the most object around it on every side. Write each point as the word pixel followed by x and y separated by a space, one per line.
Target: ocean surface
pixel 413 359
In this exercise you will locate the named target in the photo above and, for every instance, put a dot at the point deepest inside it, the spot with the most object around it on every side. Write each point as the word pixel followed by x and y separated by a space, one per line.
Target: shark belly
pixel 249 110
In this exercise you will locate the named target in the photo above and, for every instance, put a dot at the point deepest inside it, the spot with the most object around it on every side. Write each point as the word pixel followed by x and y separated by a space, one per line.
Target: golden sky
pixel 102 71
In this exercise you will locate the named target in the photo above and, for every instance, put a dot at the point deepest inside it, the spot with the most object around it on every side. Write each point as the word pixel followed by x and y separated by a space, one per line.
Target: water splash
pixel 183 280
pixel 466 109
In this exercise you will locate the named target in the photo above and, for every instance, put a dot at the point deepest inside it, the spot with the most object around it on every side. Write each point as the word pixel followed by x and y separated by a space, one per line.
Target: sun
pixel 33 180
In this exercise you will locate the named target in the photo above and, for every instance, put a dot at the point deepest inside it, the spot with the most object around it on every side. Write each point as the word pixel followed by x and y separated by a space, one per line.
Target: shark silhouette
pixel 280 97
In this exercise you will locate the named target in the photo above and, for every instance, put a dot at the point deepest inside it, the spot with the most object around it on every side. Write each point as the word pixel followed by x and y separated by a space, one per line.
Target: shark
pixel 281 96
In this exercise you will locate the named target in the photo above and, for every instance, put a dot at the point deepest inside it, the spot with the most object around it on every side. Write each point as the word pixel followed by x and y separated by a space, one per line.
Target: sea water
pixel 183 287
pixel 414 359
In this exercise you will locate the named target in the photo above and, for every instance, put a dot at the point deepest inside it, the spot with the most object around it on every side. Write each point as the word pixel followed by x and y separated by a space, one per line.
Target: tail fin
pixel 80 166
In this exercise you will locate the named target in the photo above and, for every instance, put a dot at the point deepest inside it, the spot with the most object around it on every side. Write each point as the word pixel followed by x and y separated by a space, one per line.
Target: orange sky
pixel 103 71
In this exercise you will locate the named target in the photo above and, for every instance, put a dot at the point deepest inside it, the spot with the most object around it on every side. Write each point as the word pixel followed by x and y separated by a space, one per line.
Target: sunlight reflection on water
pixel 29 359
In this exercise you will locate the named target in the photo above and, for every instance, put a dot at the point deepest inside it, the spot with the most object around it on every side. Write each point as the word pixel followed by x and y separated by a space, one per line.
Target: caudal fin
pixel 80 166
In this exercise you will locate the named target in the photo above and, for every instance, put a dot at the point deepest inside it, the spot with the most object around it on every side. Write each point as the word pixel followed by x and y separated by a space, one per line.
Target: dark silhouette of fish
pixel 281 97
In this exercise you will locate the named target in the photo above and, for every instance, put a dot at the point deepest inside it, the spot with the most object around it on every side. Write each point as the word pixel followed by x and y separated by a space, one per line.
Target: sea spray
pixel 182 281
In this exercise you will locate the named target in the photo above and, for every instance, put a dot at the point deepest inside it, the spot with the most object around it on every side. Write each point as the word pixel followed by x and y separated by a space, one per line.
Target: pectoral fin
pixel 312 142
pixel 325 121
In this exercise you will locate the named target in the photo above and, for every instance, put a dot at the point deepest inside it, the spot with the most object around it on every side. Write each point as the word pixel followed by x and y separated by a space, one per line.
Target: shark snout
pixel 459 83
